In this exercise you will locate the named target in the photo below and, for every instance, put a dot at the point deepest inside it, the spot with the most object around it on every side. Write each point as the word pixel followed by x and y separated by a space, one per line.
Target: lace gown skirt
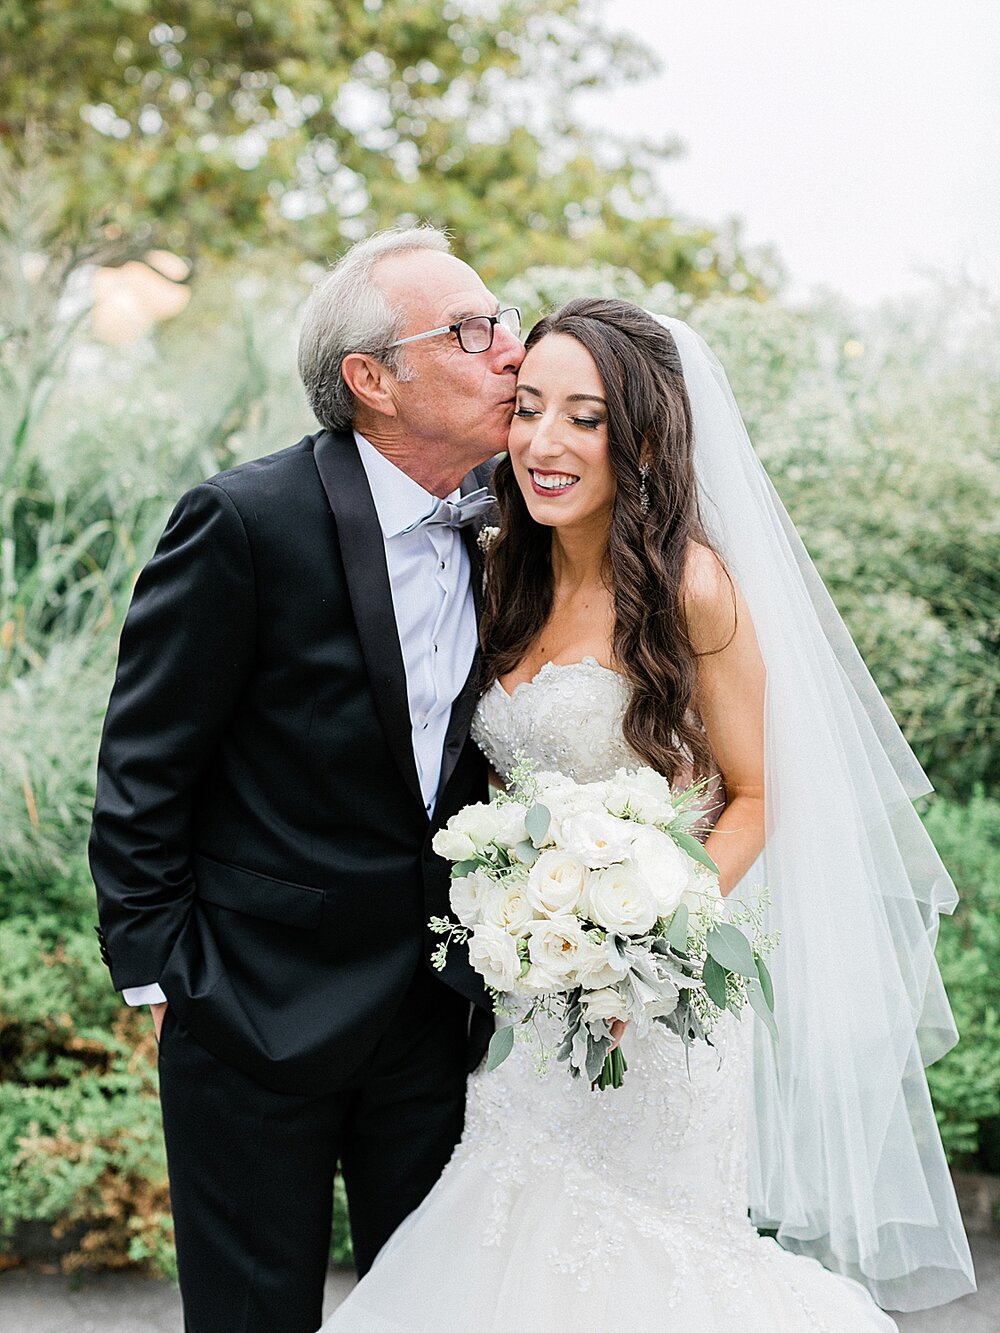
pixel 565 1209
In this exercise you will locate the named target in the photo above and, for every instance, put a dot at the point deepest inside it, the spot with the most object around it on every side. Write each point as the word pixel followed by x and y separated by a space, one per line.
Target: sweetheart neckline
pixel 589 660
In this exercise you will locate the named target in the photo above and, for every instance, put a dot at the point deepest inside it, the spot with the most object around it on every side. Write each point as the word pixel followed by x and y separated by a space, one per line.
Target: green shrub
pixel 81 1151
pixel 965 1084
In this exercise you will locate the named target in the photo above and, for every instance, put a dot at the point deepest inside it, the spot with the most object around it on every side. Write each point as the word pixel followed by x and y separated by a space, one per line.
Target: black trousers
pixel 251 1170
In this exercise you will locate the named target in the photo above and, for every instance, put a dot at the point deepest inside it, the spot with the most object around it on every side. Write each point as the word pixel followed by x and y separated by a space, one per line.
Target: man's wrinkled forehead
pixel 433 286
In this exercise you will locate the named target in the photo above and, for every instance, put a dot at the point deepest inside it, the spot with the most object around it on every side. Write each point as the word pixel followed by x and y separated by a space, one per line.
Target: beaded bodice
pixel 567 719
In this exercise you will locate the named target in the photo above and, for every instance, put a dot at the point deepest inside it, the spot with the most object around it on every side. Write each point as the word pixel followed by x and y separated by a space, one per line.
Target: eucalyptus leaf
pixel 677 932
pixel 694 849
pixel 714 977
pixel 501 1045
pixel 527 852
pixel 462 868
pixel 537 822
pixel 766 984
pixel 731 949
pixel 761 1008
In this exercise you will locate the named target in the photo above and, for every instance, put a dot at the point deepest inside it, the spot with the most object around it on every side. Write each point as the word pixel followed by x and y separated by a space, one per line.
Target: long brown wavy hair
pixel 649 421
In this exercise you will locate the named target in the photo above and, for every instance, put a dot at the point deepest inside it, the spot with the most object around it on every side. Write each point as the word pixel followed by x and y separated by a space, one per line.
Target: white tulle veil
pixel 845 1159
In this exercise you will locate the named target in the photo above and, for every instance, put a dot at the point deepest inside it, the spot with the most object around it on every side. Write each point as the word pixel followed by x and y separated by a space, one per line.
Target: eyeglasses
pixel 475 332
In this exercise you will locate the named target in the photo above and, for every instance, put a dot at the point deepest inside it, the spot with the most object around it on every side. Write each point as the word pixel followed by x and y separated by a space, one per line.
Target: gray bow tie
pixel 456 513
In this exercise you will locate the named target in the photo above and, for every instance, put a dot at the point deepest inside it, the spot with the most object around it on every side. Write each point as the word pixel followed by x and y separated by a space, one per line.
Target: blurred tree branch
pixel 221 124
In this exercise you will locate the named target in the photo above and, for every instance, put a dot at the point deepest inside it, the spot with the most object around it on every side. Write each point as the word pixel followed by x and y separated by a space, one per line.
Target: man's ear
pixel 371 384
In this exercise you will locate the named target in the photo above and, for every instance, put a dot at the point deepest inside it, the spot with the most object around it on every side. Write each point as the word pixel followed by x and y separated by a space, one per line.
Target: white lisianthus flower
pixel 650 796
pixel 506 905
pixel 564 798
pixel 493 954
pixel 453 846
pixel 556 882
pixel 616 793
pixel 468 895
pixel 556 944
pixel 603 1006
pixel 621 901
pixel 664 867
pixel 597 838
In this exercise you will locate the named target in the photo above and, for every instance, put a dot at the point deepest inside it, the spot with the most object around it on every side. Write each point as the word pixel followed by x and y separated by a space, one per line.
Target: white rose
pixel 665 1005
pixel 621 901
pixel 468 894
pixel 603 1006
pixel 493 954
pixel 597 838
pixel 453 846
pixel 664 867
pixel 600 965
pixel 509 828
pixel 507 906
pixel 556 945
pixel 540 981
pixel 479 822
pixel 556 883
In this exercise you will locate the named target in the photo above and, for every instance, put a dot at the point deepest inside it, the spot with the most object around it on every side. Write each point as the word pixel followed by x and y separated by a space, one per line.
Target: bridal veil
pixel 845 1160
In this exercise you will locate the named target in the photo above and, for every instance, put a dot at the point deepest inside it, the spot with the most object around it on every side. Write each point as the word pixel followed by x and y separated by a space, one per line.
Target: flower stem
pixel 612 1073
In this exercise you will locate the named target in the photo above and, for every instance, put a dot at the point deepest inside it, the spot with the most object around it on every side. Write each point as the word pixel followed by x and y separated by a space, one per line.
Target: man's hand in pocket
pixel 158 1010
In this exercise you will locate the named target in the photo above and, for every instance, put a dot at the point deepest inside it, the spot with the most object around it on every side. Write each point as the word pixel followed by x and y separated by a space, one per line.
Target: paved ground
pixel 119 1303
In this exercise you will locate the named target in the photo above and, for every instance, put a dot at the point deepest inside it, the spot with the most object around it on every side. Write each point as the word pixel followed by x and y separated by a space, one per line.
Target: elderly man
pixel 288 727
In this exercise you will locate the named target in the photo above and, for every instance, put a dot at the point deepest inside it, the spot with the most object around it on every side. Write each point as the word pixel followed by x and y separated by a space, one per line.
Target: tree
pixel 213 124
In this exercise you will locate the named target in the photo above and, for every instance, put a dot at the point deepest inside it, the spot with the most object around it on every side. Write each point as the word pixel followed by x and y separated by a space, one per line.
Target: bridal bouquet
pixel 594 902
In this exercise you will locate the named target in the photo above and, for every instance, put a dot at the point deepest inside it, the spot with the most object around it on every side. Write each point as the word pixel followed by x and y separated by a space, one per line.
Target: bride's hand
pixel 618 1027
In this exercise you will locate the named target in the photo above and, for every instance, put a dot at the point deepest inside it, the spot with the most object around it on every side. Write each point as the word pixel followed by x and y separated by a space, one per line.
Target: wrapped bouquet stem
pixel 594 903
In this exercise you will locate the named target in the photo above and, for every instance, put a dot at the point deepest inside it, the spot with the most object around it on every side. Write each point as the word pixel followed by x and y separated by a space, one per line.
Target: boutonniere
pixel 487 536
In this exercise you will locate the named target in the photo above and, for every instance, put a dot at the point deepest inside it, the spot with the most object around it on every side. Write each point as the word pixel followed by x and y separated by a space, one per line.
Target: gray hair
pixel 348 312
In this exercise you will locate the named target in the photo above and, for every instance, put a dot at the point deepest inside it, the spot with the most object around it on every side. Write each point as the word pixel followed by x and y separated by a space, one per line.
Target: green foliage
pixel 214 123
pixel 965 1084
pixel 80 1144
pixel 881 439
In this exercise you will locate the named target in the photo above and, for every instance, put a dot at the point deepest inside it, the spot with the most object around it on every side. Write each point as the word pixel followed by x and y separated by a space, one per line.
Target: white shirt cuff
pixel 135 995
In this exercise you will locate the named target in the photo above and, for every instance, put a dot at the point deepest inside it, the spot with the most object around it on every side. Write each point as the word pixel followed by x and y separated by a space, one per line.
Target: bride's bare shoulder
pixel 710 599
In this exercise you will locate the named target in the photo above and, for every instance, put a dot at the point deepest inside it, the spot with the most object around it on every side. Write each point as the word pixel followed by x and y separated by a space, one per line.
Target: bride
pixel 648 602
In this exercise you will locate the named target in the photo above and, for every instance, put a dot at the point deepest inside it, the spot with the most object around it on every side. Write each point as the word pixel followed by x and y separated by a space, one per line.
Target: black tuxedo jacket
pixel 260 845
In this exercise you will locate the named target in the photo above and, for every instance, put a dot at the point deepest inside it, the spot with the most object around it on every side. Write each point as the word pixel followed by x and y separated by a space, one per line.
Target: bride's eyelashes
pixel 586 423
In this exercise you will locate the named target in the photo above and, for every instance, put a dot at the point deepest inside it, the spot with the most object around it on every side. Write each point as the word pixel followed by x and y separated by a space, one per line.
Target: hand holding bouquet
pixel 595 902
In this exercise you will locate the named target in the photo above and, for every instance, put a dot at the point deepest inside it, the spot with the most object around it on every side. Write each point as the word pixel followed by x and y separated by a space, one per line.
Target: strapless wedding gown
pixel 563 1209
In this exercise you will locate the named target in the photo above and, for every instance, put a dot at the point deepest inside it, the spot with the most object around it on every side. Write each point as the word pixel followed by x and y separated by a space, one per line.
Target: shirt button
pixel 441 565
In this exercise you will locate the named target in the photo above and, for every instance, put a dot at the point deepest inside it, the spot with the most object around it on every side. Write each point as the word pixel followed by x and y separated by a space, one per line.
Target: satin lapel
pixel 464 706
pixel 363 549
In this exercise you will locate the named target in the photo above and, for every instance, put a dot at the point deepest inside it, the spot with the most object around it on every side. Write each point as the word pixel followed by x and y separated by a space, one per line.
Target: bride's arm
pixel 730 700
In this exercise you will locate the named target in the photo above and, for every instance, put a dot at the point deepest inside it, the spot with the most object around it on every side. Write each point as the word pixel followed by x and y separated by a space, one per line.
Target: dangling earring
pixel 644 487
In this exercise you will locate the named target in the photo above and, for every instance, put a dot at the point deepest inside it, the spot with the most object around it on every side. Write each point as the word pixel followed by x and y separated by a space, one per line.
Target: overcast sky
pixel 861 137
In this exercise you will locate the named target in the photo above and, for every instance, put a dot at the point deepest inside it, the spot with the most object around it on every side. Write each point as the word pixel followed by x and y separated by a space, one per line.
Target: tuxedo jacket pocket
pixel 252 894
